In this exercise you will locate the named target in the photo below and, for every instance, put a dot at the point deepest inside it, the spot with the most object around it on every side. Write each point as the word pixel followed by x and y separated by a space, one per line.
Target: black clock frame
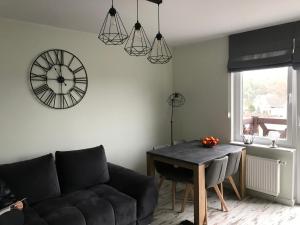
pixel 44 88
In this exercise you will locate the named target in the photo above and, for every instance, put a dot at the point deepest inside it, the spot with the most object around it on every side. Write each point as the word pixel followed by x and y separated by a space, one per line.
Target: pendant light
pixel 160 52
pixel 138 43
pixel 113 31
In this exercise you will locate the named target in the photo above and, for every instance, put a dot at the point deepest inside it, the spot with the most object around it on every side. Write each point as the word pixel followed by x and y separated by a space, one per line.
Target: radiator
pixel 263 175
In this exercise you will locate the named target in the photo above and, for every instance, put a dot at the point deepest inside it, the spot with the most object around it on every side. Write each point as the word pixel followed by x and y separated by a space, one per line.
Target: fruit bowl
pixel 209 142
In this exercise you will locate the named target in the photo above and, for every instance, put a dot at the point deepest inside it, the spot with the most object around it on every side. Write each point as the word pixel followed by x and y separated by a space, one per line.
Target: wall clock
pixel 58 79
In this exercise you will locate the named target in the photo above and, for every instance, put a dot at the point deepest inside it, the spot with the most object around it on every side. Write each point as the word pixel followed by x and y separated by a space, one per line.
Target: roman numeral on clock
pixel 78 69
pixel 78 91
pixel 36 63
pixel 59 56
pixel 63 101
pixel 41 90
pixel 47 58
pixel 50 100
pixel 36 77
pixel 71 60
pixel 73 99
pixel 80 80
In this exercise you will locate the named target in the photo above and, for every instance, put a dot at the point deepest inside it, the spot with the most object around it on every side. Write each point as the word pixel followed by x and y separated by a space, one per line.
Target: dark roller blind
pixel 263 48
pixel 296 55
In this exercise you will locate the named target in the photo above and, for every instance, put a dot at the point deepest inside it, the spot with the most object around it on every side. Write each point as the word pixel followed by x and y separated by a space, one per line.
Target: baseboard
pixel 284 201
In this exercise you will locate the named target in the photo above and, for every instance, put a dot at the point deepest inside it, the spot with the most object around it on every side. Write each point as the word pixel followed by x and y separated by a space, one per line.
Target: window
pixel 263 105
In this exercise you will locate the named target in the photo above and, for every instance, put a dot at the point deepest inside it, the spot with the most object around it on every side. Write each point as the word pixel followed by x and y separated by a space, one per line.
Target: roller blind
pixel 263 48
pixel 296 55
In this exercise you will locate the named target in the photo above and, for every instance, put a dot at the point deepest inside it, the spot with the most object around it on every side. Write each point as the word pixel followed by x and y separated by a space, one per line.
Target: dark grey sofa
pixel 81 188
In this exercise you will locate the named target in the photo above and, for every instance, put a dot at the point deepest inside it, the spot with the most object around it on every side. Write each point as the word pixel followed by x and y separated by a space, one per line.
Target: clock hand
pixel 61 89
pixel 60 75
pixel 57 72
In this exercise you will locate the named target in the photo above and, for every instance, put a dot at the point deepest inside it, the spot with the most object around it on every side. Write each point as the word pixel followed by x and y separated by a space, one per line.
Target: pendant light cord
pixel 137 10
pixel 112 3
pixel 158 19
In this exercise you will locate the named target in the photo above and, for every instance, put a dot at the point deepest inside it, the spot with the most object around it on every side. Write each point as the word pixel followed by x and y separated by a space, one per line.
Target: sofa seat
pixel 100 204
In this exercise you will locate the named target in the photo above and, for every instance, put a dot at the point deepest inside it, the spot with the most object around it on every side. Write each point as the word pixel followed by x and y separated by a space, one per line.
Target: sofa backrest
pixel 81 169
pixel 34 179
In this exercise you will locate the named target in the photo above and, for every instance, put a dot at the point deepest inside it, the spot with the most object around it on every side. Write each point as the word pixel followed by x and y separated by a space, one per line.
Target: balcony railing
pixel 252 125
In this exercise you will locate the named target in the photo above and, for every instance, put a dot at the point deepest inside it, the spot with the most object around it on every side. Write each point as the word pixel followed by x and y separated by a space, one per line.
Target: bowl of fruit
pixel 209 142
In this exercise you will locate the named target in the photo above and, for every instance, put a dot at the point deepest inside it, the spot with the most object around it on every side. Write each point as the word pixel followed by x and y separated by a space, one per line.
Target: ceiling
pixel 182 21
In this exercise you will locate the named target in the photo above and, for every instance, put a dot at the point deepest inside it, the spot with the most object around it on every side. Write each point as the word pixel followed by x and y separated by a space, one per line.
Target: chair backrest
pixel 215 173
pixel 160 146
pixel 161 167
pixel 233 163
pixel 168 145
pixel 177 142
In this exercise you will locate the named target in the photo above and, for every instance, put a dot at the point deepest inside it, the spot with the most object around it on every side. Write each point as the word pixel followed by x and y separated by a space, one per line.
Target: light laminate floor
pixel 250 211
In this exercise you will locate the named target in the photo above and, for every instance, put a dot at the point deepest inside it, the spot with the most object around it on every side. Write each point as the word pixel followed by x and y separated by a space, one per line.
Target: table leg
pixel 200 196
pixel 150 166
pixel 243 173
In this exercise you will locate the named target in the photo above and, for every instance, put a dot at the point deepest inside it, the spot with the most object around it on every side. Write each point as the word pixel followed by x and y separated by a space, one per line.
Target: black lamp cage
pixel 113 31
pixel 138 43
pixel 160 52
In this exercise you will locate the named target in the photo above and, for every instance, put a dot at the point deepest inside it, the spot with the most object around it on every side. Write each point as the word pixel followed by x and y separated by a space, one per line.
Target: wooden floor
pixel 250 211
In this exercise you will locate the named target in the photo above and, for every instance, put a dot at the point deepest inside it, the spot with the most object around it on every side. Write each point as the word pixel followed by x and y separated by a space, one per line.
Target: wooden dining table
pixel 192 155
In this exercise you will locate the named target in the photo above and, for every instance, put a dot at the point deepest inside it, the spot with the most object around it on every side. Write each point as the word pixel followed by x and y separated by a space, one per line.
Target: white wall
pixel 124 109
pixel 200 73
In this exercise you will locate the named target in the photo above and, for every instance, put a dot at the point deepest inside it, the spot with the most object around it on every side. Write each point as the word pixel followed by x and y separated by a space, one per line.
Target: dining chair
pixel 161 167
pixel 214 175
pixel 232 168
pixel 168 172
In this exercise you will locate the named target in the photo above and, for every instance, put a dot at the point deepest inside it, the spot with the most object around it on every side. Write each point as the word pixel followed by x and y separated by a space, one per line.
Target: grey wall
pixel 200 73
pixel 124 109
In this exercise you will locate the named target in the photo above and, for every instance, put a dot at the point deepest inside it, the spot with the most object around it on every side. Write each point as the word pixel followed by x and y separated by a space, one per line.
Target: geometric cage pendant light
pixel 138 43
pixel 113 31
pixel 160 52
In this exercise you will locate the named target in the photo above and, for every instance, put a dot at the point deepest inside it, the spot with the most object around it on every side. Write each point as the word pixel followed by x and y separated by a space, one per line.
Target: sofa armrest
pixel 142 188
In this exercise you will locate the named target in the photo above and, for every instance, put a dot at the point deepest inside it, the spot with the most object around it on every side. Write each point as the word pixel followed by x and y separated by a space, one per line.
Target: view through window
pixel 264 100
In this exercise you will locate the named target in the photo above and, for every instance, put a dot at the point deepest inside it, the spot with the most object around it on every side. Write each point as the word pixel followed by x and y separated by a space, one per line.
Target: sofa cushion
pixel 101 204
pixel 124 206
pixel 34 179
pixel 32 218
pixel 81 169
pixel 67 215
pixel 74 209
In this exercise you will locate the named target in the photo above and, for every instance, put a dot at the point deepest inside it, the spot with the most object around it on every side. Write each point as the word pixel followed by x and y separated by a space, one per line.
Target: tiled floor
pixel 250 211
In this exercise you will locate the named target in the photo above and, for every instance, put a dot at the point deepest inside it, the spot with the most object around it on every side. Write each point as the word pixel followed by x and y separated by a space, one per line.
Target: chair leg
pixel 185 197
pixel 234 187
pixel 222 193
pixel 206 213
pixel 173 194
pixel 217 190
pixel 161 181
pixel 192 193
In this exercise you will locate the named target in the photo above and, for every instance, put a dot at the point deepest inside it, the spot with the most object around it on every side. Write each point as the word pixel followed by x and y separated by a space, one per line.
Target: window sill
pixel 262 146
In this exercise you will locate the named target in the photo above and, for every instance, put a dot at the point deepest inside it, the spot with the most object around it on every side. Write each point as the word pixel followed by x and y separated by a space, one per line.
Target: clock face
pixel 58 79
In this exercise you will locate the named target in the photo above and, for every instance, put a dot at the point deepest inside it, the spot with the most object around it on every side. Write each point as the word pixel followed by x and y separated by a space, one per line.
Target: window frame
pixel 237 111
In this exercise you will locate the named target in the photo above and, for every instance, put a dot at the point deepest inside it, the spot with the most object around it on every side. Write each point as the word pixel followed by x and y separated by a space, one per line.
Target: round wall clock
pixel 58 79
